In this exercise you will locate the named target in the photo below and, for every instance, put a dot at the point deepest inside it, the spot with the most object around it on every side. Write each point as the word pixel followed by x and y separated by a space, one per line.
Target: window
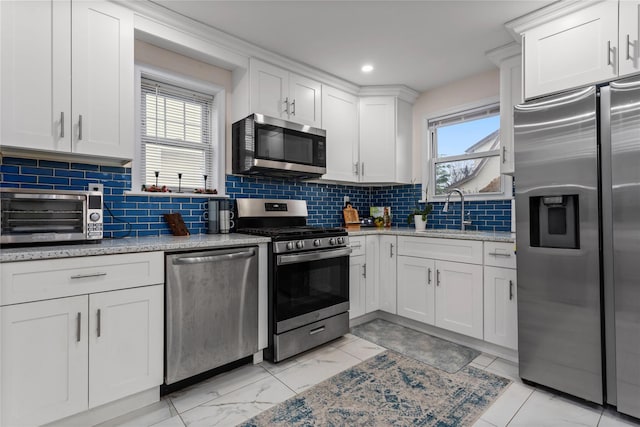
pixel 179 136
pixel 465 153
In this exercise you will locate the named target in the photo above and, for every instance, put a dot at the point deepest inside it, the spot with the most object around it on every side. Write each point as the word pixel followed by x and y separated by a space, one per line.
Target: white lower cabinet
pixel 416 290
pixel 63 354
pixel 372 283
pixel 45 363
pixel 459 298
pixel 357 285
pixel 500 307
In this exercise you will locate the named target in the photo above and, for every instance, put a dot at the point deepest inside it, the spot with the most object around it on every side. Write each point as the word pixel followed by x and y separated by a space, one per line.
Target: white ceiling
pixel 420 44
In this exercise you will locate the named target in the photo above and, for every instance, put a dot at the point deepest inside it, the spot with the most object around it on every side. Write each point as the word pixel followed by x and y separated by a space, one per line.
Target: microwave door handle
pixel 312 256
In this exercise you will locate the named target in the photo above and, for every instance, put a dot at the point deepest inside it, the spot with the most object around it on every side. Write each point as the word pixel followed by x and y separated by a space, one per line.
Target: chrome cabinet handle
pixel 391 250
pixel 80 127
pixel 504 154
pixel 362 169
pixel 61 124
pixel 355 168
pixel 79 327
pixel 437 277
pixel 364 271
pixel 84 276
pixel 510 290
pixel 610 50
pixel 429 276
pixel 499 254
pixel 293 107
pixel 99 323
pixel 286 105
pixel 353 245
pixel 629 44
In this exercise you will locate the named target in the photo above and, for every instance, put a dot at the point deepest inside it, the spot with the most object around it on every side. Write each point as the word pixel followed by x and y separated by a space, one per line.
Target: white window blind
pixel 176 132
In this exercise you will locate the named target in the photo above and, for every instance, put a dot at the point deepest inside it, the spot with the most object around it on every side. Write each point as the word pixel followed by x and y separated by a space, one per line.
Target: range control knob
pixel 94 216
pixel 340 240
pixel 332 241
pixel 299 244
pixel 316 242
pixel 290 245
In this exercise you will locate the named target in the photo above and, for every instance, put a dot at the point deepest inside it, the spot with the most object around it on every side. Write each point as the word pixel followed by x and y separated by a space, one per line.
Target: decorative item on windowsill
pixel 351 218
pixel 419 214
pixel 156 188
pixel 179 182
pixel 205 190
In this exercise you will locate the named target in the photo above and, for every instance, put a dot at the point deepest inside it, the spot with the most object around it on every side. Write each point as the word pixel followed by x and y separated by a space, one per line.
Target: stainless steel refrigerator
pixel 577 183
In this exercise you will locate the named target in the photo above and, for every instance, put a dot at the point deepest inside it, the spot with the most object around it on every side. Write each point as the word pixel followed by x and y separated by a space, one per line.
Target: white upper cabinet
pixel 385 140
pixel 340 120
pixel 102 86
pixel 35 75
pixel 41 53
pixel 629 37
pixel 278 93
pixel 572 51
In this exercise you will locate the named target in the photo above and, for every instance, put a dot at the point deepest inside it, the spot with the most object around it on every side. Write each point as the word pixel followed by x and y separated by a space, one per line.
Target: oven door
pixel 310 286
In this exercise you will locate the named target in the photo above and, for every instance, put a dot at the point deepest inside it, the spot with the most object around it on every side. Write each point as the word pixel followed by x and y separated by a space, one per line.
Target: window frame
pixel 429 159
pixel 218 139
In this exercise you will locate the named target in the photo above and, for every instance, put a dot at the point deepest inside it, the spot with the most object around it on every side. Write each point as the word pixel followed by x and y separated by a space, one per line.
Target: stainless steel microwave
pixel 269 146
pixel 48 216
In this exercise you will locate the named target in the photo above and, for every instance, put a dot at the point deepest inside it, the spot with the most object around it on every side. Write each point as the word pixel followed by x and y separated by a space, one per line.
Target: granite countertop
pixel 487 236
pixel 130 244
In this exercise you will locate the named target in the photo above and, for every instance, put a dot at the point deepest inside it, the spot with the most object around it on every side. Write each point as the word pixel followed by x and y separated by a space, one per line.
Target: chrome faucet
pixel 445 209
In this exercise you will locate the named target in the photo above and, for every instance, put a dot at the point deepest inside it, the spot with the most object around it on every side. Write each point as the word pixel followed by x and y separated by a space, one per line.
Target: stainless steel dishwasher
pixel 211 310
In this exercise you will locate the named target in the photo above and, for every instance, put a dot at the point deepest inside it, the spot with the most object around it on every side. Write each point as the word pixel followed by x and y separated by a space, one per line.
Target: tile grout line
pixel 520 407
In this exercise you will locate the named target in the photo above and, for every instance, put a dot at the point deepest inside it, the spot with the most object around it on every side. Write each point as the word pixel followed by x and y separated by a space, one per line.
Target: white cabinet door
pixel 372 293
pixel 102 66
pixel 126 342
pixel 35 74
pixel 377 139
pixel 387 274
pixel 459 298
pixel 572 51
pixel 510 96
pixel 500 307
pixel 45 358
pixel 357 285
pixel 416 293
pixel 340 120
pixel 629 37
pixel 305 97
pixel 269 90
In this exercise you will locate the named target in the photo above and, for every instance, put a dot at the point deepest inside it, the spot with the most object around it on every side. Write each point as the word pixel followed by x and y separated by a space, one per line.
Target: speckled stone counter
pixel 129 245
pixel 487 236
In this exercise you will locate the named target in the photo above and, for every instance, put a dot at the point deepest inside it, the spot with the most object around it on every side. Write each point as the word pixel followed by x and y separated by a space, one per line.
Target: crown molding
pixel 548 13
pixel 203 42
pixel 402 92
pixel 502 53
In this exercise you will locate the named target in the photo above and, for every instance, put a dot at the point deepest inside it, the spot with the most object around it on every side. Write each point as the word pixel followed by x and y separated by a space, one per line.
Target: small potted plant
pixel 419 214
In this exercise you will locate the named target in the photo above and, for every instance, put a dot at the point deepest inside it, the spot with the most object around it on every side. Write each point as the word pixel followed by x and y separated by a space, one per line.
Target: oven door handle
pixel 312 256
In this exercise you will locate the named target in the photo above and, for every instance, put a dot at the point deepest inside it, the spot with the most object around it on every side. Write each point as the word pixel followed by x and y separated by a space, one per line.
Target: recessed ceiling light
pixel 367 68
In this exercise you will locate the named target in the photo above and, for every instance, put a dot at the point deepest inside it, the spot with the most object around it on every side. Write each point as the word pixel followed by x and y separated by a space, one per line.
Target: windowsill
pixel 167 194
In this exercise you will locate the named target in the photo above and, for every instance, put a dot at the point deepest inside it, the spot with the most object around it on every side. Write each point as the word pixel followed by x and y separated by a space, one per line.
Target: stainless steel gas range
pixel 308 275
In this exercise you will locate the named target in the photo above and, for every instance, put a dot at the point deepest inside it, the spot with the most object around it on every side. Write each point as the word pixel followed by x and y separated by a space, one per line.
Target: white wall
pixel 153 55
pixel 433 102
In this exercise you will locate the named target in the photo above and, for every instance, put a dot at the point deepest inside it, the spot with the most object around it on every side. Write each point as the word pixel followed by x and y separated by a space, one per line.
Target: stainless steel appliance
pixel 211 310
pixel 273 147
pixel 30 216
pixel 578 236
pixel 308 275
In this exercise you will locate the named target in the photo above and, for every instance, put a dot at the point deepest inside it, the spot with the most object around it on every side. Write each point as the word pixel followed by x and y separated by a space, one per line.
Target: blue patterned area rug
pixel 390 389
pixel 439 353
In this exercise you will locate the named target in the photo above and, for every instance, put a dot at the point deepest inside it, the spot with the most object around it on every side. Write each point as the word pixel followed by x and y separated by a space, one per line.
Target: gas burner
pixel 283 233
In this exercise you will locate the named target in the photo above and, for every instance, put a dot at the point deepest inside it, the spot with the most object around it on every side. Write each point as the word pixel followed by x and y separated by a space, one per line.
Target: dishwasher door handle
pixel 214 258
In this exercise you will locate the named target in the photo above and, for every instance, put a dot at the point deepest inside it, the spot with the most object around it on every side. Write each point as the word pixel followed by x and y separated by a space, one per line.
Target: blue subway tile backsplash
pixel 325 201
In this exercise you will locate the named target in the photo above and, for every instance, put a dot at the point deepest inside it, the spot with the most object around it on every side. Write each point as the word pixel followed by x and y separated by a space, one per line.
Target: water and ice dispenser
pixel 554 221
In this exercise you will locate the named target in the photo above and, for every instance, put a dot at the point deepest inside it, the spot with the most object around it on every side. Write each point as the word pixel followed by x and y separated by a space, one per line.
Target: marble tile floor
pixel 235 396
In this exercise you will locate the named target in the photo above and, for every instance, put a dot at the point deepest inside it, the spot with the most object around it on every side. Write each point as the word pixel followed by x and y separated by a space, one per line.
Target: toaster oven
pixel 30 216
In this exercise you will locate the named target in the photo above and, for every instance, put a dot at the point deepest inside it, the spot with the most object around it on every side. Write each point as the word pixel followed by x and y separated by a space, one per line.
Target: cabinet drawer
pixel 55 278
pixel 469 251
pixel 357 245
pixel 498 254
